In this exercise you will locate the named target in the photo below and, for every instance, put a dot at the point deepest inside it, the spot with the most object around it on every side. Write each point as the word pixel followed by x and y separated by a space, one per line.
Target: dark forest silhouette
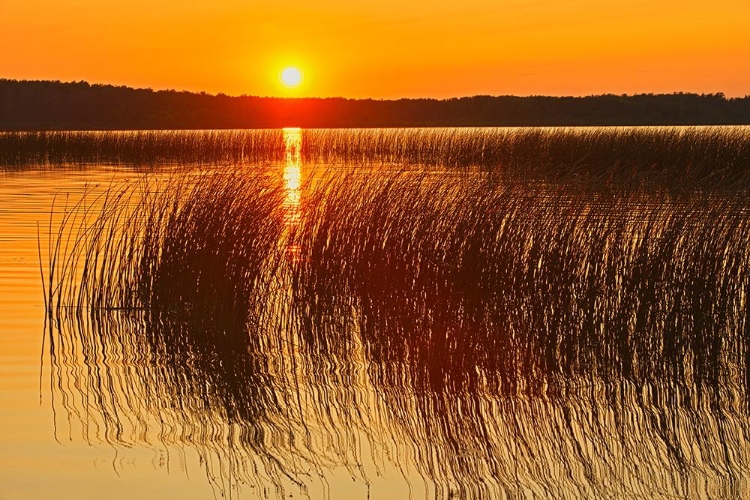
pixel 44 105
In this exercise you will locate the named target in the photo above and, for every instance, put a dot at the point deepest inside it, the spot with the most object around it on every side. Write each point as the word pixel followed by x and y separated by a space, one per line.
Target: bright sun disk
pixel 291 76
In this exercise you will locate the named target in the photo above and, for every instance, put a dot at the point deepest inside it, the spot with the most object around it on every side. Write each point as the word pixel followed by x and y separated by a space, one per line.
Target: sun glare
pixel 291 76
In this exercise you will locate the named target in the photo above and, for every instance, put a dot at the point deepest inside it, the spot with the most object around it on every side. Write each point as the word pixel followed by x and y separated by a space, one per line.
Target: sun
pixel 291 76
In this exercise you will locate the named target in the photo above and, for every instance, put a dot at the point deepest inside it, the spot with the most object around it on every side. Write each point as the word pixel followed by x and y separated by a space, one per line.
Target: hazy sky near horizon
pixel 384 49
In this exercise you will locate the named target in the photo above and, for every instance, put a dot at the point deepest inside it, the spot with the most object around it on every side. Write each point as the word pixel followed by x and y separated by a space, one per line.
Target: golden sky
pixel 384 49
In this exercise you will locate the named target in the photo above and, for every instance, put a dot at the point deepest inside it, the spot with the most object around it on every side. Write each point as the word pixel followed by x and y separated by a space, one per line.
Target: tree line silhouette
pixel 55 105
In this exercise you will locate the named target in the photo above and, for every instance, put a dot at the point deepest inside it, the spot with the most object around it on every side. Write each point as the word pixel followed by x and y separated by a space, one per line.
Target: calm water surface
pixel 589 347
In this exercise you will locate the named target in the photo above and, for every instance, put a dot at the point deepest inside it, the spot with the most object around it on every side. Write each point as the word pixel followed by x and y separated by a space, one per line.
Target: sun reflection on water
pixel 293 187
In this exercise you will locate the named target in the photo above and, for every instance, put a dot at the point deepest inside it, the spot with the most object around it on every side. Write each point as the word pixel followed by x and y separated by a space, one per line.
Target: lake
pixel 424 313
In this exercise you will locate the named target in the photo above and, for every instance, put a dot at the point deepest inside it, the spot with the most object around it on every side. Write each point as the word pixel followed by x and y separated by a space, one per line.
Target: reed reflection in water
pixel 487 339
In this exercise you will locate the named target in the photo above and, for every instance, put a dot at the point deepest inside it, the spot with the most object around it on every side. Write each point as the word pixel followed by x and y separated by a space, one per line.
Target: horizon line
pixel 222 94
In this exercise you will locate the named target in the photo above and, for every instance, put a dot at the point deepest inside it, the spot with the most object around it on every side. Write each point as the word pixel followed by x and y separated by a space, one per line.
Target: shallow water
pixel 334 391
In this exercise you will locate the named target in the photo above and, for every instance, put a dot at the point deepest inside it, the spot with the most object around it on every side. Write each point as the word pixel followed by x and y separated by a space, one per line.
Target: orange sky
pixel 384 49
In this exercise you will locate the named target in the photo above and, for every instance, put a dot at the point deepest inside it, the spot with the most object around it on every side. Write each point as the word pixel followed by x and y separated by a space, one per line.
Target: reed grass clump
pixel 475 303
pixel 494 336
pixel 519 290
pixel 193 257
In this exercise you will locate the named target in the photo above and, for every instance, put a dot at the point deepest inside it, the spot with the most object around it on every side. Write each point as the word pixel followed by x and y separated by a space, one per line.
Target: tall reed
pixel 461 291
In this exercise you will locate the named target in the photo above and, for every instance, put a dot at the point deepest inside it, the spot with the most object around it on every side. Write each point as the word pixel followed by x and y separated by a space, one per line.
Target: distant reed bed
pixel 672 157
pixel 494 337
pixel 680 158
pixel 152 148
